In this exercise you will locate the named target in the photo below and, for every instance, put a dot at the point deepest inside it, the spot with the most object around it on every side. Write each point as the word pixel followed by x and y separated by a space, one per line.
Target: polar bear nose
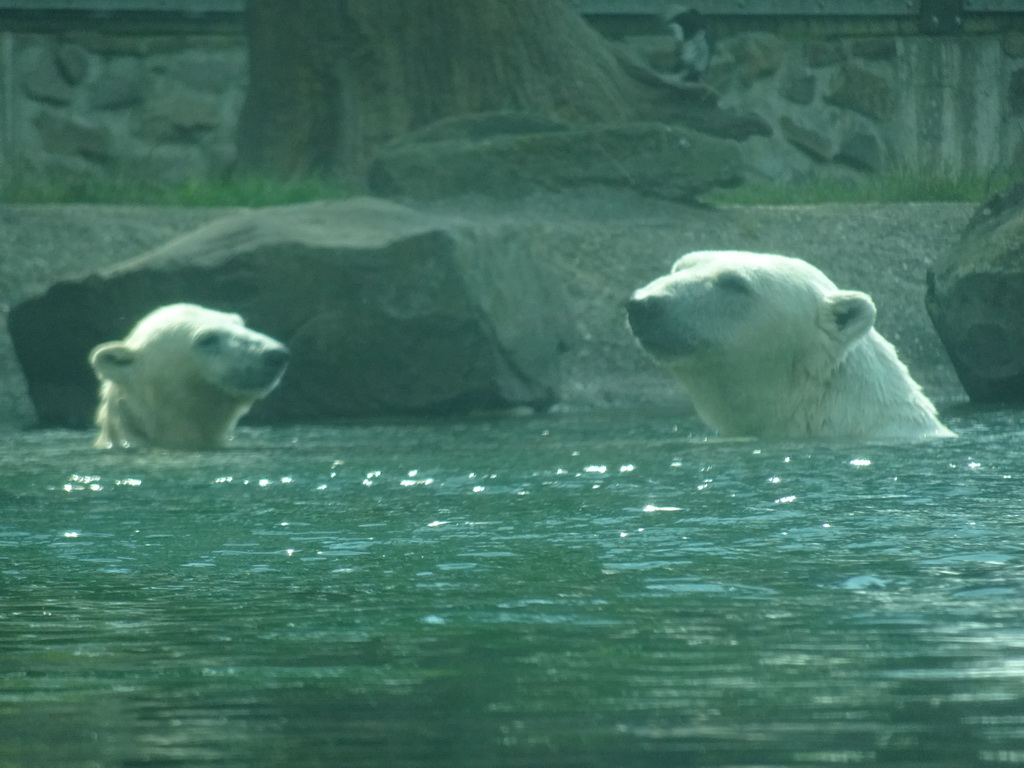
pixel 657 327
pixel 642 311
pixel 276 357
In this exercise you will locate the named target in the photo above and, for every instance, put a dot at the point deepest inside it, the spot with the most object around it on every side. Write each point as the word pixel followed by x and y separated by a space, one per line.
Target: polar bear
pixel 182 378
pixel 768 346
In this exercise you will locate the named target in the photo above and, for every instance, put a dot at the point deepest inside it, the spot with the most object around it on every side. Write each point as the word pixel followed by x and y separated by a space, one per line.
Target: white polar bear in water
pixel 182 378
pixel 768 346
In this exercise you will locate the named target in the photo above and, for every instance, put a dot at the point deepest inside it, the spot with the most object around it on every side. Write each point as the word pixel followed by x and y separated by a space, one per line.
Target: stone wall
pixel 156 106
pixel 953 105
pixel 837 101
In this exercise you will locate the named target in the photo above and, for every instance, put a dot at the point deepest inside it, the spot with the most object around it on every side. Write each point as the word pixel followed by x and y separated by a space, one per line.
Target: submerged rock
pixel 386 310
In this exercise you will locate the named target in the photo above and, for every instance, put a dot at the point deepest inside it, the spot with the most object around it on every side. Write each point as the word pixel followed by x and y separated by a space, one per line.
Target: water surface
pixel 600 589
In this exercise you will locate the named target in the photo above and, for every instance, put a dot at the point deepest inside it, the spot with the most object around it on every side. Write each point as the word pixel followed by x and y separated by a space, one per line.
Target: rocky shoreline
pixel 603 244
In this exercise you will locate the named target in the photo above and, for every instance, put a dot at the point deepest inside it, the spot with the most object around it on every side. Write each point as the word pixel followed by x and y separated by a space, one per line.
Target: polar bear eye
pixel 733 283
pixel 209 339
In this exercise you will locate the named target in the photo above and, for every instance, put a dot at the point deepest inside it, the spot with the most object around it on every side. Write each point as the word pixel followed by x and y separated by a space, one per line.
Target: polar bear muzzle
pixel 653 322
pixel 242 361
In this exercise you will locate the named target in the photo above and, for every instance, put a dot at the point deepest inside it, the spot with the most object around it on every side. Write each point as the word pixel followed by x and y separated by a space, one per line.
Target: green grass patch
pixel 893 187
pixel 256 191
pixel 248 191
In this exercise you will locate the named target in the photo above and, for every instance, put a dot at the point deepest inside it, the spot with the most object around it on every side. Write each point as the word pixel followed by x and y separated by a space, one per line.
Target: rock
pixel 650 158
pixel 205 70
pixel 43 80
pixel 65 136
pixel 107 44
pixel 179 114
pixel 813 143
pixel 875 48
pixel 861 90
pixel 975 300
pixel 1015 93
pixel 670 98
pixel 799 89
pixel 676 106
pixel 120 85
pixel 73 63
pixel 486 125
pixel 175 163
pixel 823 53
pixel 725 123
pixel 634 65
pixel 861 150
pixel 386 311
pixel 757 55
pixel 1013 43
pixel 638 66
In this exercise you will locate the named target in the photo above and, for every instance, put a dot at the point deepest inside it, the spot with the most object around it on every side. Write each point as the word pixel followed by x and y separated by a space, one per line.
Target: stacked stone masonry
pixel 165 106
pixel 143 107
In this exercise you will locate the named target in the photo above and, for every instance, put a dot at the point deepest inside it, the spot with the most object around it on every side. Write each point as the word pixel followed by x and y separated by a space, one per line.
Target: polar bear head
pixel 768 345
pixel 747 309
pixel 182 378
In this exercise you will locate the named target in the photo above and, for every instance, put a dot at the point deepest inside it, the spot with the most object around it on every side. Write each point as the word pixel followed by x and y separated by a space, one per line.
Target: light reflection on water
pixel 595 589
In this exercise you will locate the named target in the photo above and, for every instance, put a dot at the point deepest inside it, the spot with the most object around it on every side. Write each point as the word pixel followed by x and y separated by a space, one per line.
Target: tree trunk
pixel 332 80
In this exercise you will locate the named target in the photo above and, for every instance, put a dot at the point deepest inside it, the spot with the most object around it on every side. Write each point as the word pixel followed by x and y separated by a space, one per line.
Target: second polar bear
pixel 768 346
pixel 182 378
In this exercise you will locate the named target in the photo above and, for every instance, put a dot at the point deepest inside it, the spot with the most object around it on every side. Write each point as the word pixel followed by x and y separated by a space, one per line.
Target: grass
pixel 255 191
pixel 252 191
pixel 891 187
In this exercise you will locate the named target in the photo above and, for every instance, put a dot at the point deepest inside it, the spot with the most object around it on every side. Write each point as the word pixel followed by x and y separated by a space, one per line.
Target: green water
pixel 575 590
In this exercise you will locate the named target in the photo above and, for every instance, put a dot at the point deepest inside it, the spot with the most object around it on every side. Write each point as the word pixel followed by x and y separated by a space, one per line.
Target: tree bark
pixel 332 80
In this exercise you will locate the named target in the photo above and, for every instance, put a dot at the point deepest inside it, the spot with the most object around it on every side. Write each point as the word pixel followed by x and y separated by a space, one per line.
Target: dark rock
pixel 107 44
pixel 996 207
pixel 694 106
pixel 64 136
pixel 1015 95
pixel 636 65
pixel 179 114
pixel 209 71
pixel 757 55
pixel 811 142
pixel 975 300
pixel 43 80
pixel 687 91
pixel 486 125
pixel 862 151
pixel 386 311
pixel 875 48
pixel 673 99
pixel 725 123
pixel 1013 43
pixel 651 158
pixel 861 90
pixel 799 89
pixel 73 63
pixel 121 85
pixel 822 53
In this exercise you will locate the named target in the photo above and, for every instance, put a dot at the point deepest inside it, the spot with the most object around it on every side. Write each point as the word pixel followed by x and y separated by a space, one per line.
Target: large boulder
pixel 386 311
pixel 975 300
pixel 511 154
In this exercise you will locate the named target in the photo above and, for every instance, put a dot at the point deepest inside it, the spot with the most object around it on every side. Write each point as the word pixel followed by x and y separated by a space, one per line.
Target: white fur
pixel 768 346
pixel 182 378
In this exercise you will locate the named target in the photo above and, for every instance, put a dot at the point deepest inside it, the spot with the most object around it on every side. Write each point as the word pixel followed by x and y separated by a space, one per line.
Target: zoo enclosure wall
pixel 154 87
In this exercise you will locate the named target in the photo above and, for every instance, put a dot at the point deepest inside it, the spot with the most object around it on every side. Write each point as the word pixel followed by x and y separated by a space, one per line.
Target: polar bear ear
pixel 112 361
pixel 847 315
